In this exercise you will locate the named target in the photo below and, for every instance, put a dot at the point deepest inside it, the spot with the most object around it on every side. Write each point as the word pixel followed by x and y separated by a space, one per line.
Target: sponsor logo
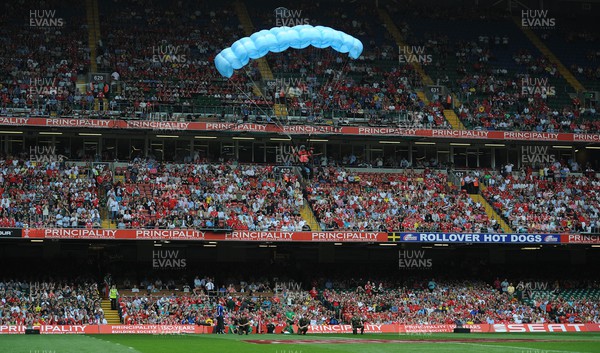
pixel 409 237
pixel 551 239
pixel 538 327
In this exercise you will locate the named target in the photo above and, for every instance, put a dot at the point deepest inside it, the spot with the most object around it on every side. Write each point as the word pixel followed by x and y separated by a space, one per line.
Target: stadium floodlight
pixel 89 134
pixel 167 136
pixel 390 142
pixel 280 139
pixel 424 143
pixel 388 244
pixel 459 144
pixel 317 140
pixel 592 147
pixel 337 244
pixel 495 145
pixel 242 138
pixel 205 137
pixel 530 248
pixel 563 147
pixel 11 132
pixel 50 133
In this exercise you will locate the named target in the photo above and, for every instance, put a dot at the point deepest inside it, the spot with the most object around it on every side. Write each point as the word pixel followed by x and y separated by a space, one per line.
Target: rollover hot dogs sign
pixel 477 238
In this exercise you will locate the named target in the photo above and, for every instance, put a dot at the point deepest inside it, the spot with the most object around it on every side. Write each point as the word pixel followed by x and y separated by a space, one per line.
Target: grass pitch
pixel 322 343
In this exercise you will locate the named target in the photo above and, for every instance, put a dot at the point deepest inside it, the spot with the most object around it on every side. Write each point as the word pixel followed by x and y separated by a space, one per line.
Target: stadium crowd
pixel 551 201
pixel 553 198
pixel 50 302
pixel 336 302
pixel 225 196
pixel 50 194
pixel 411 201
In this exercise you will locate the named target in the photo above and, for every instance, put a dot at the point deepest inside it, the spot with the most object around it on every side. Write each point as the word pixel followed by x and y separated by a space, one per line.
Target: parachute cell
pixel 279 39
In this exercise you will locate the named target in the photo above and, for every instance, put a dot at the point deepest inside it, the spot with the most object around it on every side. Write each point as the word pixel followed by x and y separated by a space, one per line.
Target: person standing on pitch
pixel 303 325
pixel 357 323
pixel 220 320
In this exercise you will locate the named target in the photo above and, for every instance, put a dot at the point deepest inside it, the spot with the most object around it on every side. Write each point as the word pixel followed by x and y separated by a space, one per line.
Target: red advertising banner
pixel 369 328
pixel 299 129
pixel 439 328
pixel 192 234
pixel 580 238
pixel 545 328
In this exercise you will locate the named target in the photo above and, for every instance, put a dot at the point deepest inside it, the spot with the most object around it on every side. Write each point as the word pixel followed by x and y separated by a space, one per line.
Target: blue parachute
pixel 279 39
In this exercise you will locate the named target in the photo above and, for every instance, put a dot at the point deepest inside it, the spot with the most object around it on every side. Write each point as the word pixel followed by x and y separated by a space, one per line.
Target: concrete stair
pixel 491 213
pixel 308 215
pixel 112 316
pixel 93 21
pixel 280 110
pixel 453 119
pixel 562 69
pixel 422 96
pixel 108 224
pixel 393 30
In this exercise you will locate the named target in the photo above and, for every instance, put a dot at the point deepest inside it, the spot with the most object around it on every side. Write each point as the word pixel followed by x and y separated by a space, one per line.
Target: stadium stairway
pixel 93 21
pixel 391 27
pixel 491 213
pixel 246 22
pixel 108 224
pixel 564 72
pixel 453 119
pixel 422 96
pixel 280 110
pixel 308 215
pixel 112 316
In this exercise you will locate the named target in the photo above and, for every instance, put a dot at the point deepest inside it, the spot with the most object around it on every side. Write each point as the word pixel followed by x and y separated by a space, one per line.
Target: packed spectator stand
pixel 418 300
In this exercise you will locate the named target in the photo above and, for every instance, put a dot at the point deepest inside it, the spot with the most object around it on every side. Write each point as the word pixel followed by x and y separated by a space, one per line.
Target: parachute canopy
pixel 279 39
